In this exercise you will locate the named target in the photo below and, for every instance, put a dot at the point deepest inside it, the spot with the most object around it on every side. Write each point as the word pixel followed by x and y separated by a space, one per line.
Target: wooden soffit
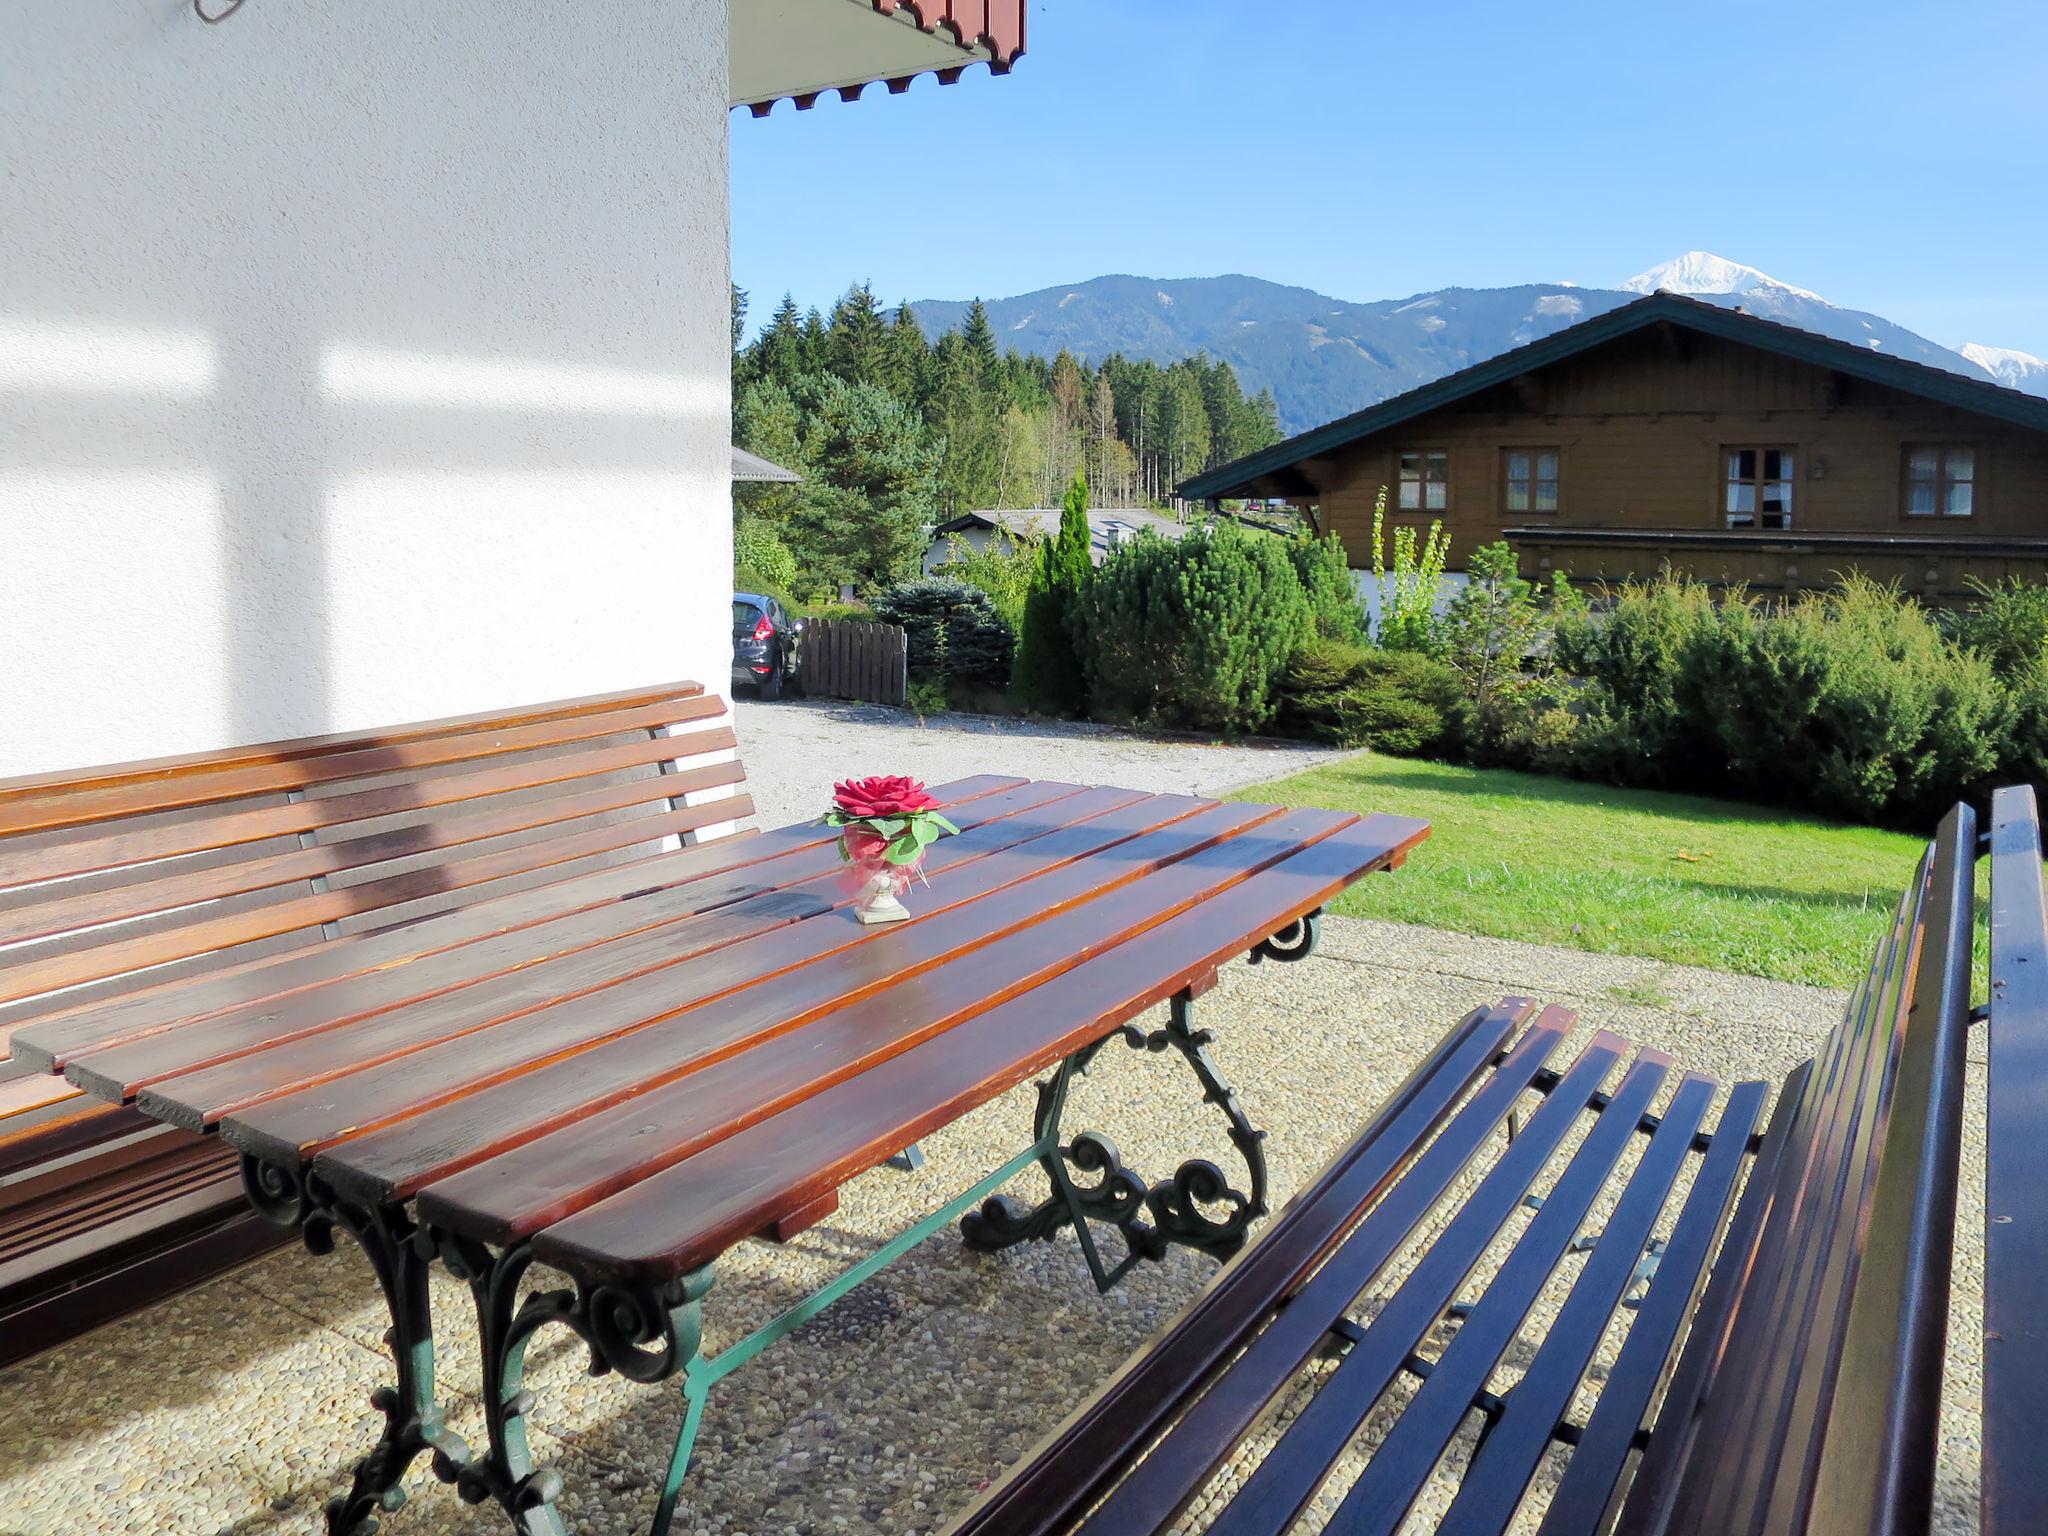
pixel 801 49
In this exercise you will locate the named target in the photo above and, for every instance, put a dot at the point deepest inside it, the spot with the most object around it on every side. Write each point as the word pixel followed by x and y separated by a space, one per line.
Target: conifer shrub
pixel 1194 632
pixel 952 632
pixel 1855 704
pixel 1497 636
pixel 1048 675
pixel 1852 702
pixel 1643 719
pixel 2007 625
pixel 1401 702
pixel 1324 571
pixel 1317 674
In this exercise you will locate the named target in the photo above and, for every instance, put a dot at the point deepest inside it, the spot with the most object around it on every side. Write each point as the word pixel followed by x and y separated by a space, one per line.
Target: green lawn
pixel 1633 872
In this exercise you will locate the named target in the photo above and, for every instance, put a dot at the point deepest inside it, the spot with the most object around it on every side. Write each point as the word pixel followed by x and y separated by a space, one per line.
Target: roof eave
pixel 858 43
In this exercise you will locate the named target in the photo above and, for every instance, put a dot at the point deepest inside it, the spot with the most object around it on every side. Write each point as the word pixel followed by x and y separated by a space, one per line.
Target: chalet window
pixel 1759 489
pixel 1530 478
pixel 1425 480
pixel 1941 480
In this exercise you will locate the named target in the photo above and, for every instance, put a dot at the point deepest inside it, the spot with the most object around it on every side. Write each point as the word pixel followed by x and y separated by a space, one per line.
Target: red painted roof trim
pixel 997 25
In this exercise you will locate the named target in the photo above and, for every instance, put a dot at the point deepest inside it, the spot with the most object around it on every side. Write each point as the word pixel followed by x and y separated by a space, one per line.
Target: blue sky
pixel 1891 155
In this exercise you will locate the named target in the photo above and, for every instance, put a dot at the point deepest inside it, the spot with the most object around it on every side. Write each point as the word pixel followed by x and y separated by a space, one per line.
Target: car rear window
pixel 744 613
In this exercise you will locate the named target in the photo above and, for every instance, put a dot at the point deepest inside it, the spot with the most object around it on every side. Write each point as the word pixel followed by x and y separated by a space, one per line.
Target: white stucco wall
pixel 357 364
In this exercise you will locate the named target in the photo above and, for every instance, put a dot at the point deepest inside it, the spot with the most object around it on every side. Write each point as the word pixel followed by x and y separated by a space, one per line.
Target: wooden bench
pixel 118 883
pixel 1779 1372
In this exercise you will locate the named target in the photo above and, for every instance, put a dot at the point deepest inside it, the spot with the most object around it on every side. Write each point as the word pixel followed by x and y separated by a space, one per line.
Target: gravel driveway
pixel 795 750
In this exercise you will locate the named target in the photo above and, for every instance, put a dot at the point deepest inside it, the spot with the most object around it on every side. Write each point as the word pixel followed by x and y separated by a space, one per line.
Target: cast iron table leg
pixel 413 1422
pixel 1151 1217
pixel 645 1333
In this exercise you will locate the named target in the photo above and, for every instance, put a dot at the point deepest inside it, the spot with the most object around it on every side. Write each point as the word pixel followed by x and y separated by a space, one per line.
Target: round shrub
pixel 1393 701
pixel 952 630
pixel 1317 672
pixel 1401 702
pixel 1193 632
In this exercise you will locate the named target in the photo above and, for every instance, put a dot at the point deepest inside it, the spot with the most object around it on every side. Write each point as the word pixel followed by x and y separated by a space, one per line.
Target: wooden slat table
pixel 623 1083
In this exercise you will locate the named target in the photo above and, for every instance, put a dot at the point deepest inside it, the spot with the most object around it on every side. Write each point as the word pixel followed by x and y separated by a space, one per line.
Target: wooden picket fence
pixel 845 659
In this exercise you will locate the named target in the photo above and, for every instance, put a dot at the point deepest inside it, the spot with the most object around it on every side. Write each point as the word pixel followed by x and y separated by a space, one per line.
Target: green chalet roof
pixel 1937 384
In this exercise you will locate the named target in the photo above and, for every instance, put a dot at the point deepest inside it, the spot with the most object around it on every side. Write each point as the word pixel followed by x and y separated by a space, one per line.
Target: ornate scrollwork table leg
pixel 1196 1208
pixel 645 1333
pixel 1297 941
pixel 413 1421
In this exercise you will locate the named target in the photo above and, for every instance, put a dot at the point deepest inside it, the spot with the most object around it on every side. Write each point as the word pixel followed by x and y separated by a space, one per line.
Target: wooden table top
pixel 638 1067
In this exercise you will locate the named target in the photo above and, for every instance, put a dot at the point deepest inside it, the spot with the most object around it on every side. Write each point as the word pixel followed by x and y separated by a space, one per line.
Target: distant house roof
pixel 1105 525
pixel 1930 383
pixel 751 466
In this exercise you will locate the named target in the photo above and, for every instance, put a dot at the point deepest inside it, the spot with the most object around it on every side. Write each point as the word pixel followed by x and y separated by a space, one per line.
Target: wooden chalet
pixel 1674 432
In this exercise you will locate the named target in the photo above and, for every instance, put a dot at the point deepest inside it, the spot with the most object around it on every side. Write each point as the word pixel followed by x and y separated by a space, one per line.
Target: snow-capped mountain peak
pixel 1704 272
pixel 2011 367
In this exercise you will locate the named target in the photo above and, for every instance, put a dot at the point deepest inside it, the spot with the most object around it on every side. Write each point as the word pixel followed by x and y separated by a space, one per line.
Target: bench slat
pixel 371 1098
pixel 207 935
pixel 1848 1284
pixel 721 1015
pixel 70 781
pixel 1381 1498
pixel 748 1181
pixel 1503 1464
pixel 1072 1468
pixel 2015 1497
pixel 153 839
pixel 135 898
pixel 532 1186
pixel 1276 1492
pixel 1774 1312
pixel 1583 1496
pixel 87 806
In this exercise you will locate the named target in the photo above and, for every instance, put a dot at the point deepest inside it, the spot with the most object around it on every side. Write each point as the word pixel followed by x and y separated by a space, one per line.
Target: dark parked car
pixel 764 640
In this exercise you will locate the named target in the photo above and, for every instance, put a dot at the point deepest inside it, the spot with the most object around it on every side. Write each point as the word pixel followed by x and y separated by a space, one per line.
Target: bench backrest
pixel 1808 1395
pixel 2015 1488
pixel 142 873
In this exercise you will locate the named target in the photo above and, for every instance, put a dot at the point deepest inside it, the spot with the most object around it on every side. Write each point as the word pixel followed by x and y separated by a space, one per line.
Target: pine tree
pixel 816 343
pixel 958 411
pixel 1047 675
pixel 777 353
pixel 903 358
pixel 857 339
pixel 979 338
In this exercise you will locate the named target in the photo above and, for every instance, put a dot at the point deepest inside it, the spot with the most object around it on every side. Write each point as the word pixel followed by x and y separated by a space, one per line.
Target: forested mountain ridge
pixel 894 432
pixel 1323 357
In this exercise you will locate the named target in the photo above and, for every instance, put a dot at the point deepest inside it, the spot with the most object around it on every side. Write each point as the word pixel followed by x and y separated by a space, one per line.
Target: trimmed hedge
pixel 1853 702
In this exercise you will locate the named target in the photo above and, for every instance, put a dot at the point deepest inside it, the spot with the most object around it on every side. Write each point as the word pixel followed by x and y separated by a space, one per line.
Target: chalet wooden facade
pixel 1676 432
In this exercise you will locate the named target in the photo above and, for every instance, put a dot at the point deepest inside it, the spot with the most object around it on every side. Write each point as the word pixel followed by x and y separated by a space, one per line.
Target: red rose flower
pixel 887 795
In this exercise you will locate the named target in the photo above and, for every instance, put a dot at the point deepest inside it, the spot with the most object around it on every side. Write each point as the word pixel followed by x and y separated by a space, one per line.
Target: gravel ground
pixel 238 1408
pixel 795 749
